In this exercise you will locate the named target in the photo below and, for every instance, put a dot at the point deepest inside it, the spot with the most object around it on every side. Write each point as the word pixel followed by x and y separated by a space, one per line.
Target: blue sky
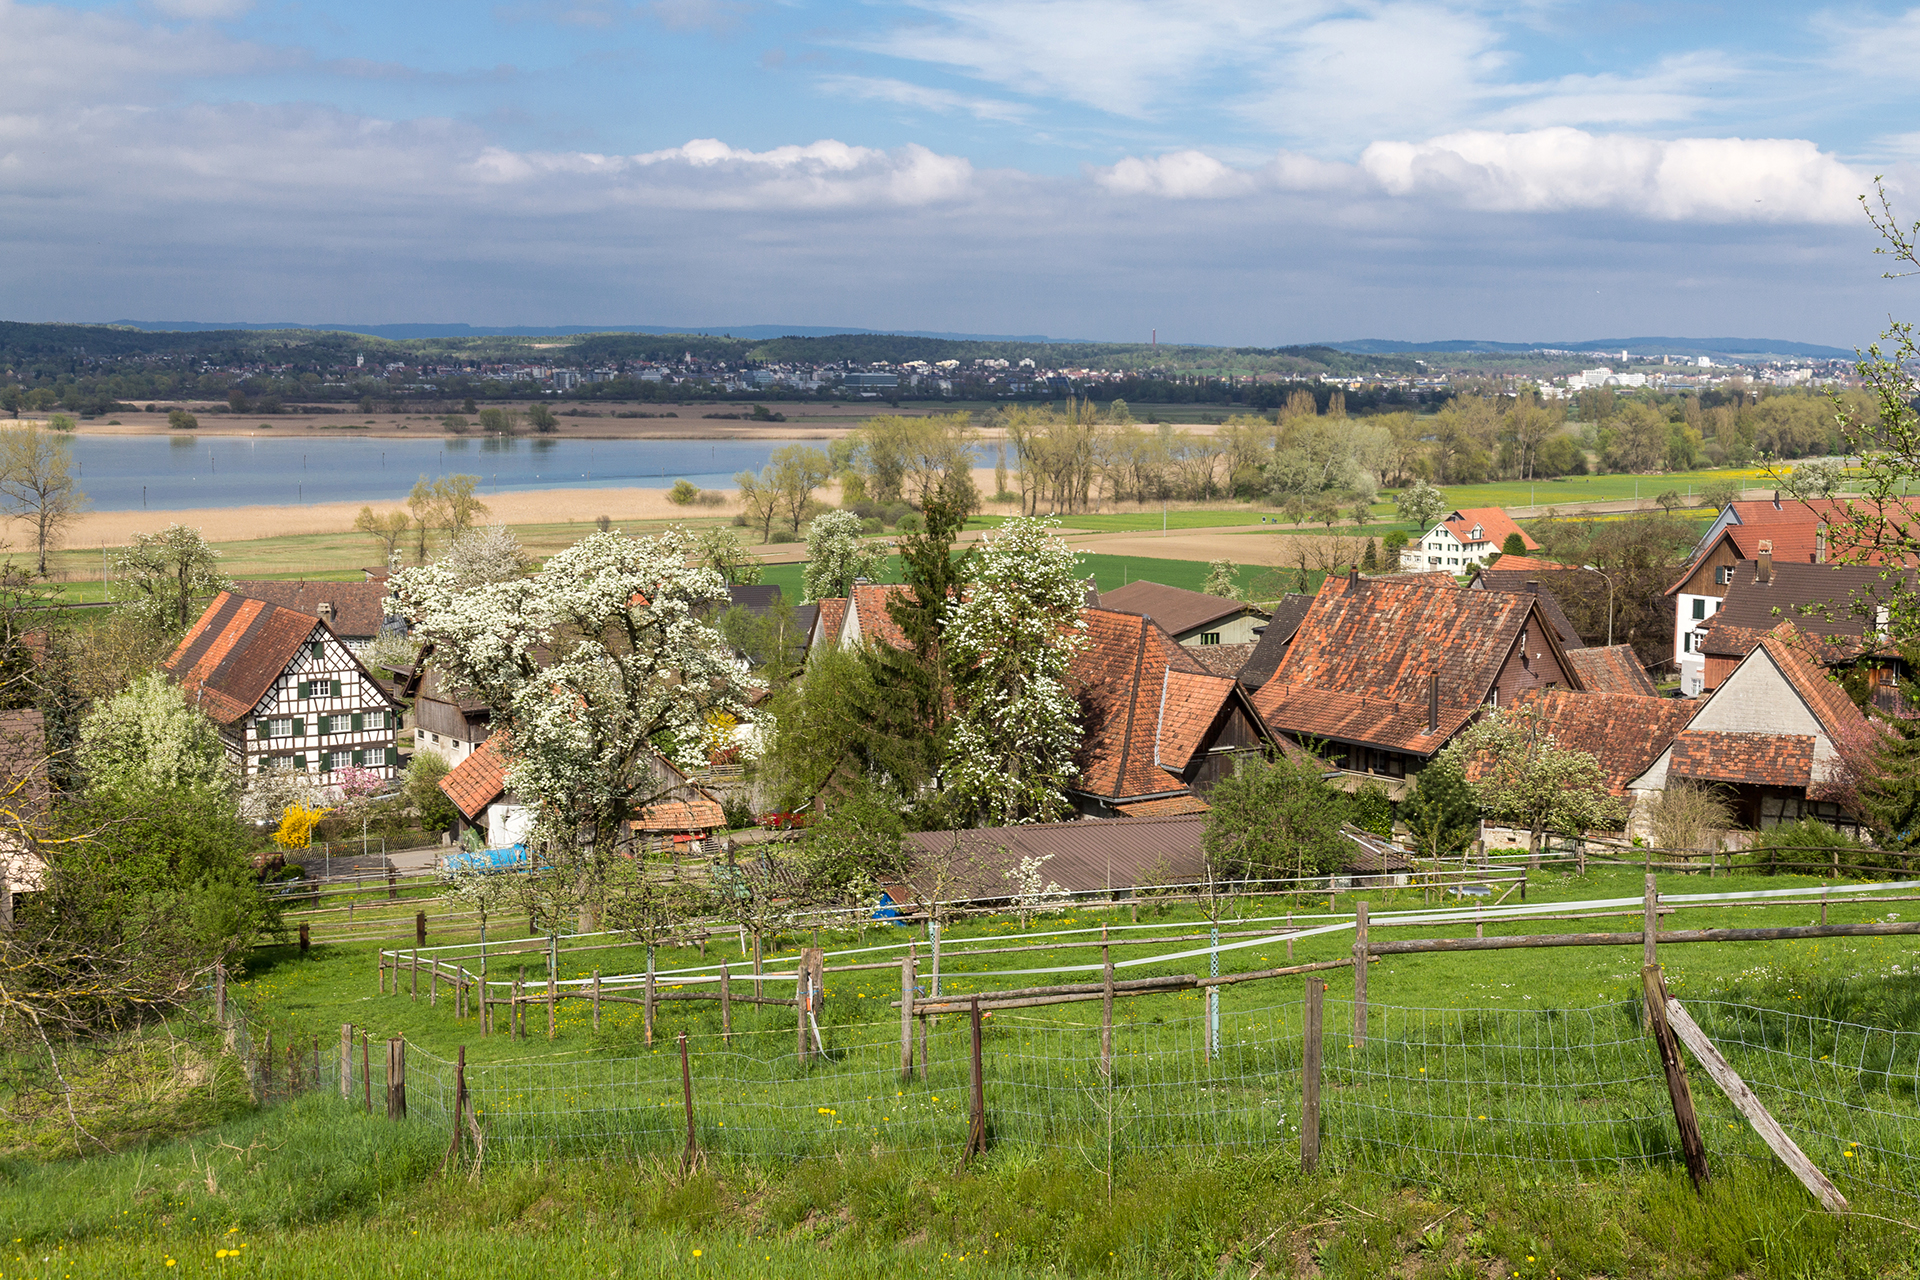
pixel 1225 172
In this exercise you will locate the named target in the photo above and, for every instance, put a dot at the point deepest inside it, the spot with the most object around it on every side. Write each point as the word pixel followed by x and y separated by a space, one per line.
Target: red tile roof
pixel 869 608
pixel 480 779
pixel 701 814
pixel 1168 807
pixel 1828 701
pixel 1190 702
pixel 1494 523
pixel 1345 716
pixel 833 614
pixel 1611 670
pixel 233 654
pixel 1763 759
pixel 1176 609
pixel 1625 732
pixel 1529 564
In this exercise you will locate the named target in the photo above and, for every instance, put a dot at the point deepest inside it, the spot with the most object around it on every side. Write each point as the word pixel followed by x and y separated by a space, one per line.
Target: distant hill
pixel 1729 347
pixel 409 332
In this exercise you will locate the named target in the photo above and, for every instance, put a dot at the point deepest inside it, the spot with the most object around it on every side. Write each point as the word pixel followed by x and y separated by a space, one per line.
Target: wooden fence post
pixel 802 989
pixel 380 962
pixel 906 1017
pixel 1310 1075
pixel 1649 924
pixel 686 1093
pixel 397 1078
pixel 1106 1006
pixel 1360 971
pixel 420 928
pixel 366 1067
pixel 459 1108
pixel 346 1060
pixel 220 993
pixel 596 999
pixel 726 1004
pixel 393 884
pixel 553 1005
pixel 516 1012
pixel 306 940
pixel 1692 1146
pixel 433 982
pixel 977 1123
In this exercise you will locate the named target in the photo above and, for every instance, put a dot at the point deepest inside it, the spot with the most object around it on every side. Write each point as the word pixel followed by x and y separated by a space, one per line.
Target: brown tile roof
pixel 833 615
pixel 1147 704
pixel 1167 807
pixel 1344 716
pixel 1611 670
pixel 1719 640
pixel 1763 759
pixel 1494 523
pixel 1288 614
pixel 1625 732
pixel 868 604
pixel 480 779
pixel 234 653
pixel 1223 659
pixel 700 814
pixel 1174 608
pixel 1499 579
pixel 1525 564
pixel 1383 638
pixel 358 607
pixel 1828 701
pixel 1824 599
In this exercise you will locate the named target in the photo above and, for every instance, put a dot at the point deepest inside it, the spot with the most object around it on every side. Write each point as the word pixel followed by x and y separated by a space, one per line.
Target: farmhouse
pixel 1464 539
pixel 284 689
pixel 357 611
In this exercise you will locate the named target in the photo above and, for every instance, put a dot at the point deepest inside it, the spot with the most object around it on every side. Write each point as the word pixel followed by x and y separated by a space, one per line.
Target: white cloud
pixel 59 56
pixel 1563 170
pixel 1673 89
pixel 924 98
pixel 1195 175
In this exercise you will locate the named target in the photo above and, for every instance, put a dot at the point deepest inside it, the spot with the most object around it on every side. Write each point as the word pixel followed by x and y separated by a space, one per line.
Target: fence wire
pixel 1578 1089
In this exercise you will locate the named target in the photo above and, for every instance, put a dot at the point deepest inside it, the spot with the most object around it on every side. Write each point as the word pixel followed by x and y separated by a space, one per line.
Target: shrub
pixel 908 523
pixel 61 422
pixel 711 497
pixel 896 512
pixel 181 420
pixel 683 493
pixel 603 523
pixel 454 422
pixel 1808 845
pixel 1371 809
pixel 422 788
pixel 784 535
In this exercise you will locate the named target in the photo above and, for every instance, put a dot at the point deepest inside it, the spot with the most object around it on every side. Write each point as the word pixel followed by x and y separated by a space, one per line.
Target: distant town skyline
pixel 1228 173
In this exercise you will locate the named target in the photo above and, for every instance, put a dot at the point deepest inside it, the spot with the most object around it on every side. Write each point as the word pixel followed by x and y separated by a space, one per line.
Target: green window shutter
pixel 393 757
pixel 359 758
pixel 358 722
pixel 317 649
pixel 299 727
pixel 336 688
pixel 300 761
pixel 303 690
pixel 326 725
pixel 260 728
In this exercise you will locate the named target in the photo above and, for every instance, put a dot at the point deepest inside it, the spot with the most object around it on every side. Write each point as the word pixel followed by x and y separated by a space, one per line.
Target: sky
pixel 1254 173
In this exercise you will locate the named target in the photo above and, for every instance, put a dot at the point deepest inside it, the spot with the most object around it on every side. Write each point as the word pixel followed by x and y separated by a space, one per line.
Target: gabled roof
pixel 1345 716
pixel 480 779
pixel 1223 659
pixel 1828 701
pixel 1494 525
pixel 702 813
pixel 1522 564
pixel 1148 707
pixel 1166 807
pixel 1498 579
pixel 867 620
pixel 1762 759
pixel 833 614
pixel 359 608
pixel 1081 856
pixel 757 596
pixel 1611 670
pixel 1824 599
pixel 434 685
pixel 1288 614
pixel 233 654
pixel 1625 732
pixel 1175 608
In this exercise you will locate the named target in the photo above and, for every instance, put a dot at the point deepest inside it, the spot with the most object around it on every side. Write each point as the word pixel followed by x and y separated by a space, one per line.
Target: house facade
pixel 1190 617
pixel 286 691
pixel 1463 539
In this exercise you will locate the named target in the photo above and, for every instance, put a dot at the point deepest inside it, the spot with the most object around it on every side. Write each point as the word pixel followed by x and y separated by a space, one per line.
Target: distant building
pixel 1464 539
pixel 1192 617
pixel 872 381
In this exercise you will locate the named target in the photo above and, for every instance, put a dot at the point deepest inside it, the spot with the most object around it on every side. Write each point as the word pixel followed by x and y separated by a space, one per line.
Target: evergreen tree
pixel 1515 545
pixel 1370 558
pixel 1890 787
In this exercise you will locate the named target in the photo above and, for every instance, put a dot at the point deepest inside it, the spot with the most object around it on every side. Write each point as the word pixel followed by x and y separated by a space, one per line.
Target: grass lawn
pixel 1107 572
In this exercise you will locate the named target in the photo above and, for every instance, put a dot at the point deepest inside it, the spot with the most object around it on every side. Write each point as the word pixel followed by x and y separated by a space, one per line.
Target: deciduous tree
pixel 163 576
pixel 1522 775
pixel 1275 819
pixel 386 529
pixel 836 556
pixel 37 485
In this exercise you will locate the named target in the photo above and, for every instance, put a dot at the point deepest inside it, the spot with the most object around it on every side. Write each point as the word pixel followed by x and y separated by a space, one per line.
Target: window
pixel 1210 637
pixel 278 727
pixel 1699 609
pixel 1723 575
pixel 376 719
pixel 339 759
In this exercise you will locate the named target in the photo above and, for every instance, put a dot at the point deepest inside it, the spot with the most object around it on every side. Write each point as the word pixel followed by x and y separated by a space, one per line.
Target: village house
pixel 681 822
pixel 1773 735
pixel 1524 573
pixel 357 611
pixel 1190 617
pixel 1383 672
pixel 286 691
pixel 1161 730
pixel 1463 539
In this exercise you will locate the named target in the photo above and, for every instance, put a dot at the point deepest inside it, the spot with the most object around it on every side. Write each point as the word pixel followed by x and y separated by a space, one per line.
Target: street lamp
pixel 1594 568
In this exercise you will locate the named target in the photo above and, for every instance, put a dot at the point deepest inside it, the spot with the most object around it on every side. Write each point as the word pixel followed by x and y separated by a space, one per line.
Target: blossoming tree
pixel 592 668
pixel 1016 727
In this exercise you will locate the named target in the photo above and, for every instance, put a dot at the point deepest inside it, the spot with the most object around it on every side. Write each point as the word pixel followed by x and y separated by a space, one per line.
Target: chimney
pixel 1433 703
pixel 1533 588
pixel 1353 578
pixel 1766 561
pixel 325 610
pixel 1776 499
pixel 1820 543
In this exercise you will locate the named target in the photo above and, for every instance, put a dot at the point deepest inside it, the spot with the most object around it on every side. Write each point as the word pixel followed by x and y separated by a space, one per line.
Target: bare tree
pixel 1689 816
pixel 37 484
pixel 387 529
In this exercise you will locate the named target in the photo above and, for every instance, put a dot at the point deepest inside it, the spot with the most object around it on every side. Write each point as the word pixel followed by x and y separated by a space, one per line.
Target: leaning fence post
pixel 686 1093
pixel 459 1107
pixel 906 1017
pixel 346 1060
pixel 977 1124
pixel 1360 971
pixel 1692 1145
pixel 1310 1075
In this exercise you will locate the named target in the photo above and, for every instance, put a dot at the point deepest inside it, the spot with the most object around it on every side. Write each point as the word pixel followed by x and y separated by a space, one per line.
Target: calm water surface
pixel 173 473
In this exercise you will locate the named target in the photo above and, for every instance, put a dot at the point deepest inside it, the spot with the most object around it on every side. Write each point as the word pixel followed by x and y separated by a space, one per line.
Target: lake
pixel 181 472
